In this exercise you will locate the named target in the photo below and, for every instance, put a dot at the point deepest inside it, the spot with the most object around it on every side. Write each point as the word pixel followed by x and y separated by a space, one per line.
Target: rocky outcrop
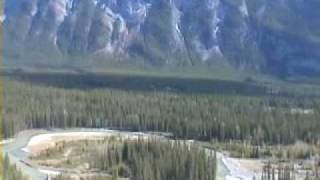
pixel 279 36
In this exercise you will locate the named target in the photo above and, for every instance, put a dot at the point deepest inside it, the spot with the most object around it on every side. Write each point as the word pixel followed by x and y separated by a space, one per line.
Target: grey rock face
pixel 263 35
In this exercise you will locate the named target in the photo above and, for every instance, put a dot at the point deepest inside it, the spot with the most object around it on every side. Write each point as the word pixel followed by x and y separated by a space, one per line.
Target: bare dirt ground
pixel 42 142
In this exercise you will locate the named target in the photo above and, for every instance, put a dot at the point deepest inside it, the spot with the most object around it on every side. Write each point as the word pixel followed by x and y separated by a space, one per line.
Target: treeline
pixel 286 172
pixel 10 171
pixel 154 160
pixel 257 120
pixel 278 173
pixel 299 150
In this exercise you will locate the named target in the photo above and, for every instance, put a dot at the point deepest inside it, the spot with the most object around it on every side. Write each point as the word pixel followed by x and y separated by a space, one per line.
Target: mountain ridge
pixel 279 37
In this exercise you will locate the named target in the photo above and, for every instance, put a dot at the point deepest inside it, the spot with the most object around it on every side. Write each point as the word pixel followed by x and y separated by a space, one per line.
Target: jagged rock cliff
pixel 278 36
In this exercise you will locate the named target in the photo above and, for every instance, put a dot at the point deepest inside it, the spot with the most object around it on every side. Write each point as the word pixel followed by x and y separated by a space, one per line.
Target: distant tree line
pixel 257 120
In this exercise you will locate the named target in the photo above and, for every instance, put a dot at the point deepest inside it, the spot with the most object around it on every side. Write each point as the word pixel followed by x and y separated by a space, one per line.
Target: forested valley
pixel 262 125
pixel 255 119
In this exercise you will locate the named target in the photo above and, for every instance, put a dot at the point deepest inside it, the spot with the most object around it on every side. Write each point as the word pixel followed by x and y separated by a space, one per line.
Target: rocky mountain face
pixel 276 36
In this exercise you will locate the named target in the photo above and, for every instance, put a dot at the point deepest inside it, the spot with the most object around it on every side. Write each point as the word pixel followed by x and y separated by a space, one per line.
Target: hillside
pixel 278 37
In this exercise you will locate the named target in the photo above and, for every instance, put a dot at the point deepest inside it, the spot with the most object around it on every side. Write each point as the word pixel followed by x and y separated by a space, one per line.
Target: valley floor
pixel 31 142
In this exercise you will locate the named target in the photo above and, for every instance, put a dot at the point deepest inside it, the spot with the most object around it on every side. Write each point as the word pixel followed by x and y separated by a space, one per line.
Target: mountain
pixel 280 37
